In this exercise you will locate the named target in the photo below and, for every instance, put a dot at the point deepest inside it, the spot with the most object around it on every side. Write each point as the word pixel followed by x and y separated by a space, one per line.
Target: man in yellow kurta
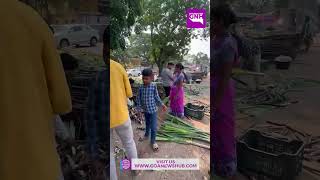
pixel 120 122
pixel 32 89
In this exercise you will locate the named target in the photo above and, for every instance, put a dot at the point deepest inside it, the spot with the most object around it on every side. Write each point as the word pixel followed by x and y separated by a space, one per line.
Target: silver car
pixel 134 72
pixel 75 34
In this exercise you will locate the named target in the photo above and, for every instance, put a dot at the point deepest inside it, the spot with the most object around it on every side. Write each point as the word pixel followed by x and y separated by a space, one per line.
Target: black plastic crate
pixel 194 111
pixel 275 158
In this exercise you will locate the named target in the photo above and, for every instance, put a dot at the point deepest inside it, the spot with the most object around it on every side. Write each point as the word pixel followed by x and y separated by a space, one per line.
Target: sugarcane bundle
pixel 182 132
pixel 274 95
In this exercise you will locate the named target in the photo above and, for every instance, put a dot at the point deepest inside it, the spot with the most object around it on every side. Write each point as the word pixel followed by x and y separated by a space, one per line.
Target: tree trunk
pixel 160 65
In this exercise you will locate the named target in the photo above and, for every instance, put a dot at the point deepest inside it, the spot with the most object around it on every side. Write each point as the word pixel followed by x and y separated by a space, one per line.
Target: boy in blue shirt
pixel 148 101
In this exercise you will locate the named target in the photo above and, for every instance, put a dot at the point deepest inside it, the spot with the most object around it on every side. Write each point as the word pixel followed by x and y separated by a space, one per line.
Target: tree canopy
pixel 201 58
pixel 123 14
pixel 140 46
pixel 166 22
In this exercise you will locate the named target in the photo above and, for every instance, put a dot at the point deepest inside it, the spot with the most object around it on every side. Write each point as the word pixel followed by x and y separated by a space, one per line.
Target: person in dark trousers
pixel 98 116
pixel 108 114
pixel 167 78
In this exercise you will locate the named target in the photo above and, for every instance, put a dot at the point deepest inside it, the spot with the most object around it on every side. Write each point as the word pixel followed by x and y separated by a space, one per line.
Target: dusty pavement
pixel 173 150
pixel 304 115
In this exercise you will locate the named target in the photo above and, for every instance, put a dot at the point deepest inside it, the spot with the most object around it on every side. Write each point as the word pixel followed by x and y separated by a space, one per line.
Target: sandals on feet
pixel 155 147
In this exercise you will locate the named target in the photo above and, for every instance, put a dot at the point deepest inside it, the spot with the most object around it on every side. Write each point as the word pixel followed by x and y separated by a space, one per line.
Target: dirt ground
pixel 174 150
pixel 304 115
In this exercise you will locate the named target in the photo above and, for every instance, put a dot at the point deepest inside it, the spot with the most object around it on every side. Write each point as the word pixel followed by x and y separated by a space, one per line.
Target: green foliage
pixel 123 14
pixel 140 46
pixel 120 55
pixel 201 58
pixel 166 22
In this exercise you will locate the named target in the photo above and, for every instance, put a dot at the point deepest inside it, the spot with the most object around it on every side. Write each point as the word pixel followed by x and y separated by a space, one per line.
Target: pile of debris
pixel 135 116
pixel 76 164
pixel 192 91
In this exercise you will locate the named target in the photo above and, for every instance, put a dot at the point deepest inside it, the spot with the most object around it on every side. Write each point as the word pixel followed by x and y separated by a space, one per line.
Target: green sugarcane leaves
pixel 179 131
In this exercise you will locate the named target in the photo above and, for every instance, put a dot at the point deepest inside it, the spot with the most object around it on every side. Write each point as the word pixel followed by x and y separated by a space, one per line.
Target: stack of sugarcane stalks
pixel 179 131
pixel 75 161
pixel 312 143
pixel 274 95
pixel 80 81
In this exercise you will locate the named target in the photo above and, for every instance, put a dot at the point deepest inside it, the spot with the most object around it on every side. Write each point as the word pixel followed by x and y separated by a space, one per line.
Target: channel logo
pixel 196 18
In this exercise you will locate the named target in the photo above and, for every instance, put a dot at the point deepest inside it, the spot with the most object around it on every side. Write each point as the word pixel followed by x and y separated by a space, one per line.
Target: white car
pixel 75 34
pixel 134 72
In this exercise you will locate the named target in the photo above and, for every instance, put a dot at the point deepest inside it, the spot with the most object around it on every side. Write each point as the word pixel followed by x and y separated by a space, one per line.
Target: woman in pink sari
pixel 177 92
pixel 224 57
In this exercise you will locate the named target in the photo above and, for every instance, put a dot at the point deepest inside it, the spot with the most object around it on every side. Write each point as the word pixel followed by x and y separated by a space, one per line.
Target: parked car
pixel 134 72
pixel 75 34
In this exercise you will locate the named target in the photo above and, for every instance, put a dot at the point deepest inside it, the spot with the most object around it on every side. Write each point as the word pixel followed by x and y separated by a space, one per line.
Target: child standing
pixel 148 101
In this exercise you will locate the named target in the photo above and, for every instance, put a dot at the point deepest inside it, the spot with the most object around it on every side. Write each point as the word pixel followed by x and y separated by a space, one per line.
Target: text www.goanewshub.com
pixel 167 166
